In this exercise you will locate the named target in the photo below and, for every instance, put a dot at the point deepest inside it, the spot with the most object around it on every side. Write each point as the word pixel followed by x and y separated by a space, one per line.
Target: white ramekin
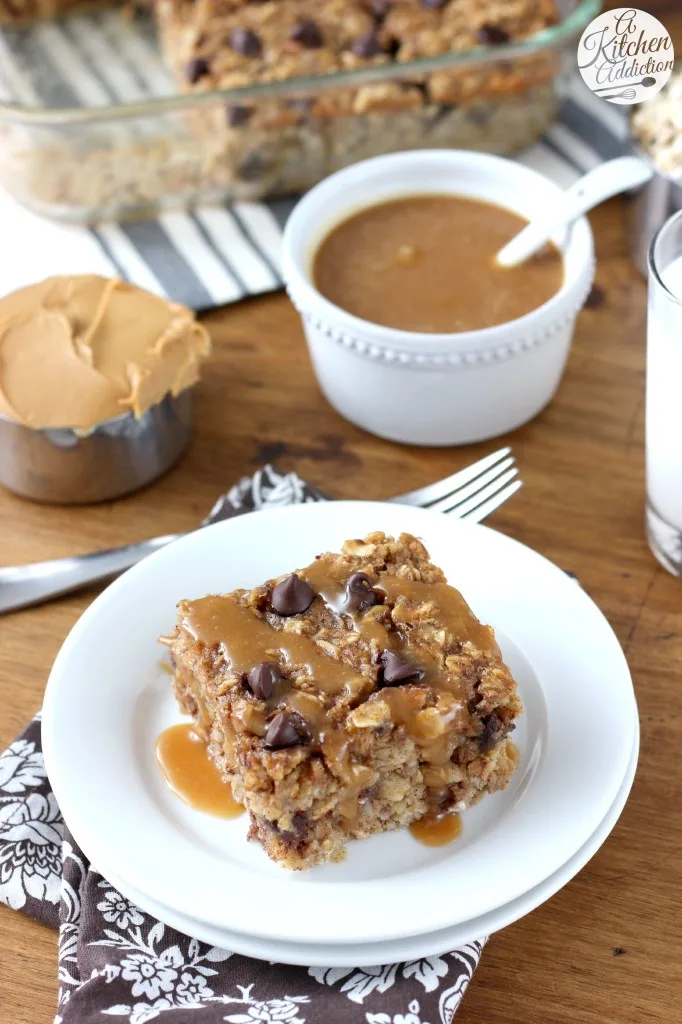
pixel 435 389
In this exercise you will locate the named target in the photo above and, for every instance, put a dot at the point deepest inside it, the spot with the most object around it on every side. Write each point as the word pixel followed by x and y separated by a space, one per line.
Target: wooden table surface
pixel 604 950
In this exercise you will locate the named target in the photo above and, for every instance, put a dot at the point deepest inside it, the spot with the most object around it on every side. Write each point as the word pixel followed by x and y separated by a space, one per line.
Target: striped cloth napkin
pixel 218 254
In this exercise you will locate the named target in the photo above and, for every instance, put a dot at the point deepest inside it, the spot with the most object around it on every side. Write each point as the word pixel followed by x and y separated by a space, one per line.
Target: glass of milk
pixel 664 397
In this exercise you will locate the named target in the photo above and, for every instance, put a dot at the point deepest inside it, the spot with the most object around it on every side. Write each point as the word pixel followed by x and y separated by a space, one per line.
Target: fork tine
pixel 481 512
pixel 472 489
pixel 461 508
pixel 442 488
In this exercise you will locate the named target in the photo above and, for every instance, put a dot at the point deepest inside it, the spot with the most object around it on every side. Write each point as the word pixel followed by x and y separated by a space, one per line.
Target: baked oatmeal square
pixel 357 695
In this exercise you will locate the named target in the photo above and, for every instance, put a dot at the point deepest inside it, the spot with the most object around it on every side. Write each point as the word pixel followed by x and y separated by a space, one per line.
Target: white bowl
pixel 435 389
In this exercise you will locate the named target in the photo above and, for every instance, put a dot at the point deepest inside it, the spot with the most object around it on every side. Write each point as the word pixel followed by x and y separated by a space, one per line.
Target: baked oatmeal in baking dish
pixel 206 100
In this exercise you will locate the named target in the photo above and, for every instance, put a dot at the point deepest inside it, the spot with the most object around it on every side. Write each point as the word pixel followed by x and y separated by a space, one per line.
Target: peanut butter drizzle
pixel 191 775
pixel 432 728
pixel 437 828
pixel 328 587
pixel 335 745
pixel 332 591
pixel 247 640
pixel 450 609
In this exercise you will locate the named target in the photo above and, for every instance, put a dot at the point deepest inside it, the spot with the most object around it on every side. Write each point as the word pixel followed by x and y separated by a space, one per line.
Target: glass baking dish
pixel 91 127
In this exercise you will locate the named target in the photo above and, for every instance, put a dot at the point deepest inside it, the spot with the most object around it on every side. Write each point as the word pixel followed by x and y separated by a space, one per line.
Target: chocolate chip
pixel 367 45
pixel 442 111
pixel 393 47
pixel 285 730
pixel 596 298
pixel 261 679
pixel 292 596
pixel 238 116
pixel 253 166
pixel 245 42
pixel 196 69
pixel 300 824
pixel 296 836
pixel 434 5
pixel 398 669
pixel 302 106
pixel 380 8
pixel 359 594
pixel 494 729
pixel 307 33
pixel 492 35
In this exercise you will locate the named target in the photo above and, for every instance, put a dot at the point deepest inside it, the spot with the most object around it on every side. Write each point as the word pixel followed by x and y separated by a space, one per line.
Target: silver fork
pixel 472 493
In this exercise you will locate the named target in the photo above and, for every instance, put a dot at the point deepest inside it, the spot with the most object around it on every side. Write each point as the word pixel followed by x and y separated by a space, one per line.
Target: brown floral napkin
pixel 117 962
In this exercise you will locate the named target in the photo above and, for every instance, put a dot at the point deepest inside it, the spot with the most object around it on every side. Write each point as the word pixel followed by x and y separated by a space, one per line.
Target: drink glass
pixel 664 397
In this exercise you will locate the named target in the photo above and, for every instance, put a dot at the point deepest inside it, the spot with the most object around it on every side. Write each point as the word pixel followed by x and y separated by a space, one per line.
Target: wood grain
pixel 582 506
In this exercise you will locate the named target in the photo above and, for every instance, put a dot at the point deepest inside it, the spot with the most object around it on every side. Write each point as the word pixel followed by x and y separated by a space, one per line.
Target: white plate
pixel 107 699
pixel 414 947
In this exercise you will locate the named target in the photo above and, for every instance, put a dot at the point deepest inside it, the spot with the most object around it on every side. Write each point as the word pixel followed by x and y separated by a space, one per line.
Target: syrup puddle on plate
pixel 437 829
pixel 191 775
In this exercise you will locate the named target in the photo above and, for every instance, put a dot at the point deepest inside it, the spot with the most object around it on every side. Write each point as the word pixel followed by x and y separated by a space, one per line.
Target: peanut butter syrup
pixel 437 828
pixel 427 263
pixel 76 351
pixel 247 639
pixel 191 775
pixel 367 624
pixel 449 607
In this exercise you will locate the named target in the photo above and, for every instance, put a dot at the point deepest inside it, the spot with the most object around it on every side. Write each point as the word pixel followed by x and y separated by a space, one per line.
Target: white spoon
pixel 601 183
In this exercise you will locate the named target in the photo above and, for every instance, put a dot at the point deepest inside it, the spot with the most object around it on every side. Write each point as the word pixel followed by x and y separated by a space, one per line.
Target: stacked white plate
pixel 393 899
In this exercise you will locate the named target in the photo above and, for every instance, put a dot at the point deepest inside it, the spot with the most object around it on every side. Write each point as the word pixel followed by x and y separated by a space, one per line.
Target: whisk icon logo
pixel 625 56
